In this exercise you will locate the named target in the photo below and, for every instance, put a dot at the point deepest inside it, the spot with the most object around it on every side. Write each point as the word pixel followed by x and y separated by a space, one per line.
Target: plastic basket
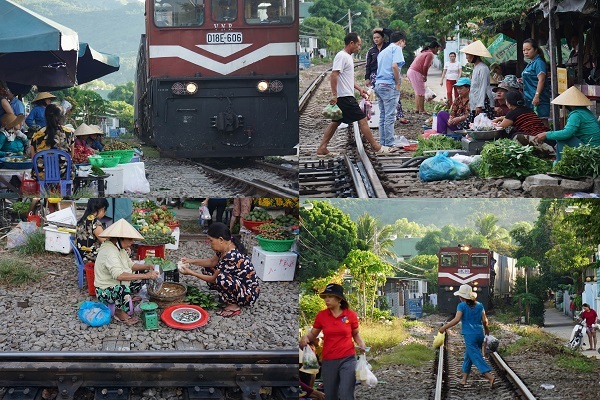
pixel 124 155
pixel 253 225
pixel 278 246
pixel 110 161
pixel 96 161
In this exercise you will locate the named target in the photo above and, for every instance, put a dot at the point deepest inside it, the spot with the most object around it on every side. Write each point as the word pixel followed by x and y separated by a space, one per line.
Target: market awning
pixel 93 64
pixel 35 49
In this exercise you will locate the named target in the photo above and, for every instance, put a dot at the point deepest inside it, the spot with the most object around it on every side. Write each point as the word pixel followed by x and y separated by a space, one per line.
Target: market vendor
pixel 82 134
pixel 459 114
pixel 229 271
pixel 114 276
pixel 95 140
pixel 508 83
pixel 89 228
pixel 37 116
pixel 582 126
pixel 12 140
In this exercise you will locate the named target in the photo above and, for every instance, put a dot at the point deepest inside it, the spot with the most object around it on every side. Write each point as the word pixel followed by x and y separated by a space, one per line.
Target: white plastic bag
pixel 136 181
pixel 310 364
pixel 429 94
pixel 482 122
pixel 366 106
pixel 362 368
pixel 18 235
pixel 371 379
pixel 204 214
pixel 401 142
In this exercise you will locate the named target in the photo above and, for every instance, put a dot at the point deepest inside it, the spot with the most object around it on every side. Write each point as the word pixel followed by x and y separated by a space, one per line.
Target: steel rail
pixel 439 382
pixel 303 102
pixel 359 185
pixel 513 377
pixel 379 191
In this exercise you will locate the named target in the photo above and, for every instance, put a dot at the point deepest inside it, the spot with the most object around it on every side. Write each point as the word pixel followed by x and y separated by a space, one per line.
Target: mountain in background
pixel 109 26
pixel 441 212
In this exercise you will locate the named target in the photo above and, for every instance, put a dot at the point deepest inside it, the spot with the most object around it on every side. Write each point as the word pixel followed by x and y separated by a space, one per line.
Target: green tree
pixel 124 112
pixel 326 237
pixel 123 93
pixel 378 239
pixel 87 105
pixel 427 265
pixel 405 227
pixel 330 35
pixel 497 237
pixel 449 236
pixel 368 272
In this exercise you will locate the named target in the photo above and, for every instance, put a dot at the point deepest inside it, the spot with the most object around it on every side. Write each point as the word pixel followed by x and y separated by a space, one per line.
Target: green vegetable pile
pixel 508 158
pixel 97 171
pixel 196 297
pixel 436 142
pixel 579 161
pixel 165 265
pixel 286 220
pixel 257 215
pixel 154 238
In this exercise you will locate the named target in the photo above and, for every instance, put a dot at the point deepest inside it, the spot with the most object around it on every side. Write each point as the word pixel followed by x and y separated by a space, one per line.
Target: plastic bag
pixel 401 142
pixel 438 340
pixel 332 111
pixel 441 167
pixel 310 364
pixel 94 314
pixel 491 344
pixel 429 94
pixel 204 214
pixel 482 122
pixel 366 106
pixel 136 181
pixel 18 235
pixel 371 379
pixel 362 368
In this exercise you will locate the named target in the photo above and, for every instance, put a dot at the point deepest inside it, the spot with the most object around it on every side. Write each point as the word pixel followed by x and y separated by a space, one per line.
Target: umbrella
pixel 93 64
pixel 35 49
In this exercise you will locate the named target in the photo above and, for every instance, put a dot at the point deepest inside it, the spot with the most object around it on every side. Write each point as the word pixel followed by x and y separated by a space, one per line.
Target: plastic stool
pixel 158 250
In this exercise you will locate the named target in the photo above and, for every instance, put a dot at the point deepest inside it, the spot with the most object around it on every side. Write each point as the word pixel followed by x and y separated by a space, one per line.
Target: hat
pixel 509 82
pixel 97 129
pixel 333 289
pixel 466 292
pixel 477 49
pixel 11 120
pixel 572 97
pixel 84 129
pixel 121 229
pixel 42 96
pixel 463 82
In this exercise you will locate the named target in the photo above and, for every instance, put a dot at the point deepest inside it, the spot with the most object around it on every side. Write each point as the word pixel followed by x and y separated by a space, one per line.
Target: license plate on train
pixel 224 37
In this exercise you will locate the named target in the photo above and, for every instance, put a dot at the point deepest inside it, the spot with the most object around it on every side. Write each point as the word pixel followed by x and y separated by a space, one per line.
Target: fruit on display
pixel 155 235
pixel 82 153
pixel 116 145
pixel 257 215
pixel 286 220
pixel 273 231
pixel 16 159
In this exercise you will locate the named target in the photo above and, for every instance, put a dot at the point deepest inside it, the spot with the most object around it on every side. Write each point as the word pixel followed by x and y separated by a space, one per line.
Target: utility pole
pixel 349 21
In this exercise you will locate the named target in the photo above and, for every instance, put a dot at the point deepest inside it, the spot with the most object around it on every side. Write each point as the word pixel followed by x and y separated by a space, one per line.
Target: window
pixel 177 13
pixel 479 260
pixel 413 287
pixel 449 260
pixel 269 11
pixel 224 10
pixel 464 260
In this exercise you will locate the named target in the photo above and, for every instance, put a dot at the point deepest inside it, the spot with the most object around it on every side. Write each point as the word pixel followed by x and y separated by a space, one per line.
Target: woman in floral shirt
pixel 230 271
pixel 458 118
pixel 54 136
pixel 89 228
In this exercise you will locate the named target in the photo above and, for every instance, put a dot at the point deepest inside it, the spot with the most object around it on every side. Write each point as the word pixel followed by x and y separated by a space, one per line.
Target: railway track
pixel 447 370
pixel 111 375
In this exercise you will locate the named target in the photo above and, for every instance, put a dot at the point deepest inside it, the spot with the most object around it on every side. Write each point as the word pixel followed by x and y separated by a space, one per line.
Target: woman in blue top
pixel 37 115
pixel 474 324
pixel 535 89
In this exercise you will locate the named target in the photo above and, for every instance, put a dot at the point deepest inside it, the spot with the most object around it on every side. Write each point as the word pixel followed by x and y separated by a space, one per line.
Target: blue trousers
pixel 339 378
pixel 387 97
pixel 473 354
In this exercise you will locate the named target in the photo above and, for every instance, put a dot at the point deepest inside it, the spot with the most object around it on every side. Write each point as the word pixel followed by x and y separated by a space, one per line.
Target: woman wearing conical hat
pixel 37 114
pixel 582 126
pixel 481 98
pixel 114 272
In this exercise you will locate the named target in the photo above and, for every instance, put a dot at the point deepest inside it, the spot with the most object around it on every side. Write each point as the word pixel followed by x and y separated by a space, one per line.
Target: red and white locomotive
pixel 219 78
pixel 464 265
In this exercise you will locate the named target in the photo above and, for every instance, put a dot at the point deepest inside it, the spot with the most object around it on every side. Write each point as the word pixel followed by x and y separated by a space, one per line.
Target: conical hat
pixel 43 95
pixel 84 129
pixel 572 97
pixel 97 129
pixel 11 120
pixel 121 229
pixel 477 49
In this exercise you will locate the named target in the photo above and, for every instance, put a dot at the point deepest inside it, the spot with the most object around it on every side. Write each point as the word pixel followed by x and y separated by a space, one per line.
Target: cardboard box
pixel 57 241
pixel 274 266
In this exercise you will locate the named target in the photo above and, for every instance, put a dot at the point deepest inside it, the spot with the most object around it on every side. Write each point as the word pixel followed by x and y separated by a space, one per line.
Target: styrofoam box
pixel 114 183
pixel 274 266
pixel 57 241
pixel 64 216
pixel 175 234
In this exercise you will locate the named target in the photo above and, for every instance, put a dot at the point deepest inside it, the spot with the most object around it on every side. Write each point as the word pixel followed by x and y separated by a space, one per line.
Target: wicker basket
pixel 175 295
pixel 278 246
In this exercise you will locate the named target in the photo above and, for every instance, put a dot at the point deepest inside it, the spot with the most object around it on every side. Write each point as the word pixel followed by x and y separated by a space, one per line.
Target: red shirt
pixel 422 62
pixel 337 333
pixel 589 316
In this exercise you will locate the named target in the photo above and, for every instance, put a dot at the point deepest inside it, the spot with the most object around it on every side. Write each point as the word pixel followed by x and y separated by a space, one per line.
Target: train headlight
pixel 191 88
pixel 475 283
pixel 262 86
pixel 451 288
pixel 475 289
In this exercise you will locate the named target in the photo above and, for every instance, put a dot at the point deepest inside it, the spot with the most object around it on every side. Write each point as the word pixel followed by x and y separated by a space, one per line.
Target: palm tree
pixel 378 240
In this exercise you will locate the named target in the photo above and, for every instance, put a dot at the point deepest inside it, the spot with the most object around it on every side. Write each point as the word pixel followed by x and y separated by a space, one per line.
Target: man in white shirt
pixel 343 86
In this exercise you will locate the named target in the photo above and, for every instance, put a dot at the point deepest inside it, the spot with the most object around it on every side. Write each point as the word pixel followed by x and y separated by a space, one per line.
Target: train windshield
pixel 449 260
pixel 178 13
pixel 269 11
pixel 479 260
pixel 224 10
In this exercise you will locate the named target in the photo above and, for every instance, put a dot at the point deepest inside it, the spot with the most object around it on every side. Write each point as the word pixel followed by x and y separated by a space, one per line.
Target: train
pixel 219 78
pixel 490 274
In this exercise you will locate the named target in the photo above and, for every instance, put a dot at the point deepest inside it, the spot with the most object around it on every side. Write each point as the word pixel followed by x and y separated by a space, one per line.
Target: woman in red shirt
pixel 590 317
pixel 417 74
pixel 339 325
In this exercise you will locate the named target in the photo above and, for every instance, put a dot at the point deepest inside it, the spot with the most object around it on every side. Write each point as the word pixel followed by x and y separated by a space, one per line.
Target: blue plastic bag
pixel 94 314
pixel 441 167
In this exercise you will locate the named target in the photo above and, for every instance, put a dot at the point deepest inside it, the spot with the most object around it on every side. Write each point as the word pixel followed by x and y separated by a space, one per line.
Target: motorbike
pixel 577 336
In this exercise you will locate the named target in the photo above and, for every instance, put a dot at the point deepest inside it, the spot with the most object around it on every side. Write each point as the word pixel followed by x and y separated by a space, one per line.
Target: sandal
pixel 328 155
pixel 229 313
pixel 386 151
pixel 128 321
pixel 403 121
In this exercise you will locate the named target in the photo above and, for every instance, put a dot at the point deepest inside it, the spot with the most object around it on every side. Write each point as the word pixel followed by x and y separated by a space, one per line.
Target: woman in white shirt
pixel 452 71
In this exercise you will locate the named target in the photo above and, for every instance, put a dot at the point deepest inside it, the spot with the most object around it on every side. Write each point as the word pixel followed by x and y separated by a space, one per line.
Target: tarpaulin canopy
pixel 34 49
pixel 93 64
pixel 504 48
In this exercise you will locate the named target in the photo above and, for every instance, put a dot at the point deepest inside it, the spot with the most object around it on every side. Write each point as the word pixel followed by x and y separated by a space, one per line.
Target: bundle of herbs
pixel 579 161
pixel 508 158
pixel 436 142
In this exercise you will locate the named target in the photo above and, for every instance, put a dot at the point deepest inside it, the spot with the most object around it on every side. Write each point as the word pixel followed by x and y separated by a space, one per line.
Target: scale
pixel 149 315
pixel 473 146
pixel 477 139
